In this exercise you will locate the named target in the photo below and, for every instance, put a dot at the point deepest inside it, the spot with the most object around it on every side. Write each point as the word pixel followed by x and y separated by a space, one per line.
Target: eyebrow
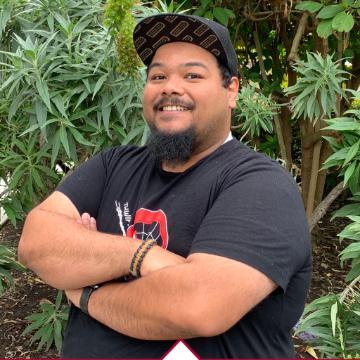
pixel 188 64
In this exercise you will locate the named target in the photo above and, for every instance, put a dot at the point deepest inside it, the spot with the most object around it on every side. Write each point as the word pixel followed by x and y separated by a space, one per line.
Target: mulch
pixel 21 301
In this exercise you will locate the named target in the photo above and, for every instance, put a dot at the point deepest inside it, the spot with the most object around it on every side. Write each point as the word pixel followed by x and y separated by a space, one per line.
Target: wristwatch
pixel 85 296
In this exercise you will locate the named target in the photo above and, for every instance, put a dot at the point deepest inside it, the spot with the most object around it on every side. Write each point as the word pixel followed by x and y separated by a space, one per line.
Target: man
pixel 212 233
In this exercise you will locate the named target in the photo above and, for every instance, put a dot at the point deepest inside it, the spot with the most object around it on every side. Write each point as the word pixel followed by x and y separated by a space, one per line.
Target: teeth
pixel 173 108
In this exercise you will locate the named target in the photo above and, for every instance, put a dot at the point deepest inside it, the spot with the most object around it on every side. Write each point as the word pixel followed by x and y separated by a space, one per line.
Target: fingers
pixel 92 224
pixel 87 221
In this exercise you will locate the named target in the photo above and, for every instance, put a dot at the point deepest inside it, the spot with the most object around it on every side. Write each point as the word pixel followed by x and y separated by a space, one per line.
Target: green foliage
pixel 48 324
pixel 171 7
pixel 254 111
pixel 333 17
pixel 115 12
pixel 346 156
pixel 209 10
pixel 61 97
pixel 119 19
pixel 352 251
pixel 316 88
pixel 7 264
pixel 332 322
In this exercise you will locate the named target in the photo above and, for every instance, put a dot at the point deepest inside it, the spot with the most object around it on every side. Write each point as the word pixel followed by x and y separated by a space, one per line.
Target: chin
pixel 170 130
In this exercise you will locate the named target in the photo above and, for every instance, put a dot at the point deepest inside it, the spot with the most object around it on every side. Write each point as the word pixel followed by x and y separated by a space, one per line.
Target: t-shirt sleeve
pixel 258 219
pixel 85 186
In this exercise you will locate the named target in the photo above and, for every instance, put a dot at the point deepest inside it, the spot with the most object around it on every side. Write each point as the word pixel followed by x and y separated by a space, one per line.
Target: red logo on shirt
pixel 150 224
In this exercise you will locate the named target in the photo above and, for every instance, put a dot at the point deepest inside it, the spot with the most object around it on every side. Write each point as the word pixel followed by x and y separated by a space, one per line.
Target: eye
pixel 193 76
pixel 156 77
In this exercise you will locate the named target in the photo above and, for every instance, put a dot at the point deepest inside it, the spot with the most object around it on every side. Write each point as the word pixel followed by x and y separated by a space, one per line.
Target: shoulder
pixel 240 164
pixel 124 154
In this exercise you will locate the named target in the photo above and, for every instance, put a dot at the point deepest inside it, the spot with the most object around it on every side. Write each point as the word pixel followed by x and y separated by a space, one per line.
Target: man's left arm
pixel 203 297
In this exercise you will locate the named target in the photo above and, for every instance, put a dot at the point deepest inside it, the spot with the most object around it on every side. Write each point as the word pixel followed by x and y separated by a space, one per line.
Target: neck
pixel 178 168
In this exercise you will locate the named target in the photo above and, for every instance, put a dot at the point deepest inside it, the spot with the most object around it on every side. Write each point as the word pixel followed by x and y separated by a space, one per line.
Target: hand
pixel 158 258
pixel 87 221
pixel 74 296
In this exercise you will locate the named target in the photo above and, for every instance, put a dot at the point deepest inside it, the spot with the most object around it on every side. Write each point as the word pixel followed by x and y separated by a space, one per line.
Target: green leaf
pixel 223 15
pixel 329 11
pixel 349 172
pixel 99 84
pixel 333 316
pixel 350 209
pixel 344 126
pixel 58 334
pixel 37 178
pixel 205 3
pixel 64 140
pixel 43 90
pixel 41 112
pixel 55 148
pixel 59 103
pixel 10 213
pixel 79 137
pixel 343 22
pixel 209 15
pixel 354 181
pixel 324 29
pixel 353 151
pixel 30 129
pixel 310 6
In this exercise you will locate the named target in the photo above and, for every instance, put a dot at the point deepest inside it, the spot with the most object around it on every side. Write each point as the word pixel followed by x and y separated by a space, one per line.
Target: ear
pixel 233 90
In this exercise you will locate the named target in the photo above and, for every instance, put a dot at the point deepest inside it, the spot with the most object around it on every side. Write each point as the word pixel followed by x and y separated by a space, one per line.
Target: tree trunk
pixel 315 165
pixel 306 129
pixel 287 134
pixel 326 151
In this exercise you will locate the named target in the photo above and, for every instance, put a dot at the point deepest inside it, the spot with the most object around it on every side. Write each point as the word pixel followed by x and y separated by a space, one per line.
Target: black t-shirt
pixel 234 203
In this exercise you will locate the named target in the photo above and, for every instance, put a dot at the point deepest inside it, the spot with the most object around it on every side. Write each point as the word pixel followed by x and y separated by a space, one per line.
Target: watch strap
pixel 85 296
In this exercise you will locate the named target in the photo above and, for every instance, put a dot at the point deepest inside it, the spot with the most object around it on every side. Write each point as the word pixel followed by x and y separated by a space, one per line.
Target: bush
pixel 48 324
pixel 62 98
pixel 7 264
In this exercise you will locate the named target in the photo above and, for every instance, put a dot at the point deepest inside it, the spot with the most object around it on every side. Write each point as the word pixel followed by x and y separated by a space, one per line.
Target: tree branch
pixel 293 56
pixel 281 141
pixel 260 54
pixel 323 207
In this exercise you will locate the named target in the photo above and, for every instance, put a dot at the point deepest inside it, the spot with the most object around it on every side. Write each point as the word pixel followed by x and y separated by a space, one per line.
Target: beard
pixel 172 149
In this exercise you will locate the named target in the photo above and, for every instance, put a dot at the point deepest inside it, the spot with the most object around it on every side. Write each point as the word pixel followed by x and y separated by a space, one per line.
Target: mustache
pixel 172 102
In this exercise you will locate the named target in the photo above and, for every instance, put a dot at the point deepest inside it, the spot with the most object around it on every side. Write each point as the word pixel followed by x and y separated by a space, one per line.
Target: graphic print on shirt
pixel 150 224
pixel 123 214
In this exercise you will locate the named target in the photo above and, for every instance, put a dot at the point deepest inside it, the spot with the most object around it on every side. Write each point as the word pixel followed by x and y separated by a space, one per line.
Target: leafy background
pixel 71 85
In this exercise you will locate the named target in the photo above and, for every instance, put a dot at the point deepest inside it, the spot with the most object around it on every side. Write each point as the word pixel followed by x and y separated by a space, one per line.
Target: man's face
pixel 184 92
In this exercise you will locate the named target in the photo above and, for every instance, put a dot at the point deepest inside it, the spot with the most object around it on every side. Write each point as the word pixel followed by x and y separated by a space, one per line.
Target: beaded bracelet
pixel 138 257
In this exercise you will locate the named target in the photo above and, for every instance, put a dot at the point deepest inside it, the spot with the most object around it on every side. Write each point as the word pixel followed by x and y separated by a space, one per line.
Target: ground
pixel 20 302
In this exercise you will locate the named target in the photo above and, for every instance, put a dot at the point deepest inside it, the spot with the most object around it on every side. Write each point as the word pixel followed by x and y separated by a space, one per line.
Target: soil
pixel 21 301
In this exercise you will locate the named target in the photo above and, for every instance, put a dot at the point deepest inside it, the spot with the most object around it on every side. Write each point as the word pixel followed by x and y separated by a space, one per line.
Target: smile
pixel 173 108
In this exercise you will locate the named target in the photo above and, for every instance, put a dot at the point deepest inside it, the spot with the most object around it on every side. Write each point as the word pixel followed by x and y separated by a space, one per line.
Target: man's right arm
pixel 67 255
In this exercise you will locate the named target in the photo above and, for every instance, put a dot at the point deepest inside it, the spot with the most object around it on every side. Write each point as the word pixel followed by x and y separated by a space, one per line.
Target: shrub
pixel 62 98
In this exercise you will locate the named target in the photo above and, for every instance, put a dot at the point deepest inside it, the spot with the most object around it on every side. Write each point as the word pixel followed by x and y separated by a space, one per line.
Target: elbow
pixel 31 249
pixel 26 247
pixel 207 327
pixel 203 321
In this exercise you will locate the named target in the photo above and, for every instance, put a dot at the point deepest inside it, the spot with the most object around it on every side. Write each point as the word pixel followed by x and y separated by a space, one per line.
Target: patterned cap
pixel 157 30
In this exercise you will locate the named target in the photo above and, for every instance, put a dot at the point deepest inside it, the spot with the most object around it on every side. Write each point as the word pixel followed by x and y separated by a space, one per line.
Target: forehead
pixel 181 52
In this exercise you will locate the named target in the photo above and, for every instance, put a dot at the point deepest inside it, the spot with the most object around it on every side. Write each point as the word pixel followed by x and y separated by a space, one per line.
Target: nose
pixel 173 86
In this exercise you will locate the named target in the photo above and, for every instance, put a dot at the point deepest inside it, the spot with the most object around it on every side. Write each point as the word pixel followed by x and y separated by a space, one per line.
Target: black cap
pixel 157 30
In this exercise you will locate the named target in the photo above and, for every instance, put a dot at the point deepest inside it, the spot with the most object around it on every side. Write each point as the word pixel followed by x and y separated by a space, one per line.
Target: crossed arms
pixel 68 255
